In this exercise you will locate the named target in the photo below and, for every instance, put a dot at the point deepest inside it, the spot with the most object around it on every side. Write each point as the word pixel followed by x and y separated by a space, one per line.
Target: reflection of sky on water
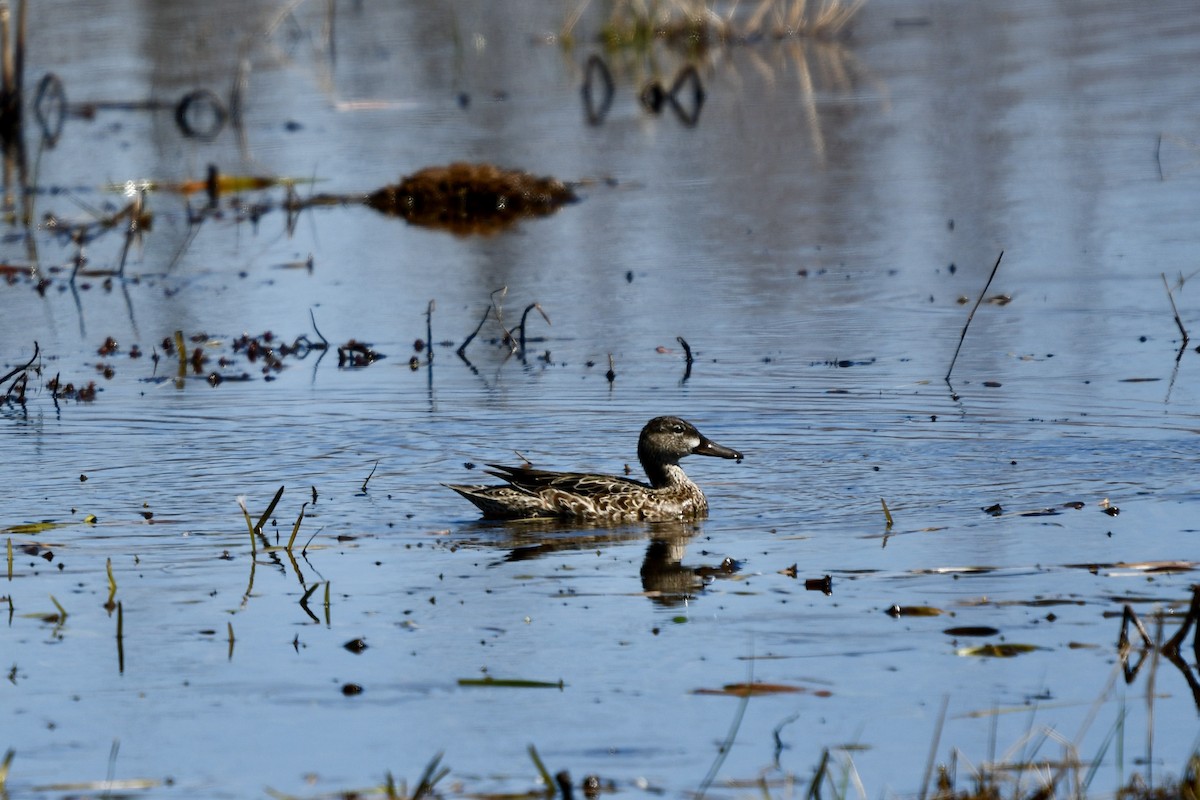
pixel 790 228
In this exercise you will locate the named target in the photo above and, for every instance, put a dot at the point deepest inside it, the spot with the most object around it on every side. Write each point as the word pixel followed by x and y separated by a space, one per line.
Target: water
pixel 818 238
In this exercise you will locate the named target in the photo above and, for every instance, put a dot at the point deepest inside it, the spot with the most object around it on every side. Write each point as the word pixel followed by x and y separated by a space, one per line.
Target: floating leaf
pixel 510 683
pixel 971 630
pixel 914 611
pixel 34 528
pixel 1003 650
pixel 757 690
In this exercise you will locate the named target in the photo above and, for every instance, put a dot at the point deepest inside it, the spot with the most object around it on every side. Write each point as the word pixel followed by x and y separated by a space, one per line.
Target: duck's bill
pixel 708 447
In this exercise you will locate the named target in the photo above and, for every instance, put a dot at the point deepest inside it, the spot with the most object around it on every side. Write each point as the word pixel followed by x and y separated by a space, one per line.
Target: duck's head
pixel 665 440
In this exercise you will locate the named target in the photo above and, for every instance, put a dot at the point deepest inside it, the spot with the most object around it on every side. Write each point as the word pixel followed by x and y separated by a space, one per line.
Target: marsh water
pixel 817 231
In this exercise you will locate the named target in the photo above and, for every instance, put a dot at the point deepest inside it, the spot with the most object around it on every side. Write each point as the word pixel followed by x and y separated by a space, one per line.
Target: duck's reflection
pixel 666 579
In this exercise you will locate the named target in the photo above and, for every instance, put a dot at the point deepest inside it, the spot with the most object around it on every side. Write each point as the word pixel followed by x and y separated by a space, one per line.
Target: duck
pixel 530 493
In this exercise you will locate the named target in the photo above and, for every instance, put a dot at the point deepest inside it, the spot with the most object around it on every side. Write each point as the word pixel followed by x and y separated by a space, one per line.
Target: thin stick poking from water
pixel 1174 310
pixel 429 329
pixel 937 732
pixel 371 475
pixel 687 349
pixel 971 316
pixel 486 313
pixel 320 335
pixel 727 744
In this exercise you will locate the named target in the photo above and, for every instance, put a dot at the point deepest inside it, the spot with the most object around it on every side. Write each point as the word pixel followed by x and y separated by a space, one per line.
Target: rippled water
pixel 818 238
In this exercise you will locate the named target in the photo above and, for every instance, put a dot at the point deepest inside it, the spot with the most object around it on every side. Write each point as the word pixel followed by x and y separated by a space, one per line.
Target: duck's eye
pixel 677 428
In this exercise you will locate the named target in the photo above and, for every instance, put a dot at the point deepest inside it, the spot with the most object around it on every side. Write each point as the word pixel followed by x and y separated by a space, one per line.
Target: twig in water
pixel 429 329
pixel 230 626
pixel 887 515
pixel 687 349
pixel 612 373
pixel 463 347
pixel 24 366
pixel 971 316
pixel 687 356
pixel 525 315
pixel 727 744
pixel 120 638
pixel 1175 310
pixel 368 478
pixel 1193 617
pixel 1130 617
pixel 313 317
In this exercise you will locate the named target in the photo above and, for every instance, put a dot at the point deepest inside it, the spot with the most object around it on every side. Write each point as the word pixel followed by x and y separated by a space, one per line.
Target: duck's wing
pixel 581 483
pixel 579 495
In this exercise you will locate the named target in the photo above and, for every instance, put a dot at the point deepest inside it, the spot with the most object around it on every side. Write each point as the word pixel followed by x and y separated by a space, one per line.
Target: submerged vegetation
pixel 696 25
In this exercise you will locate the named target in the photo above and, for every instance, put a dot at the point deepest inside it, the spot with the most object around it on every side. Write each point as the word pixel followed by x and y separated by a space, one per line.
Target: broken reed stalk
pixel 327 584
pixel 687 349
pixel 10 558
pixel 296 528
pixel 428 331
pixel 320 335
pixel 112 584
pixel 544 773
pixel 971 316
pixel 612 372
pixel 241 501
pixel 62 612
pixel 887 515
pixel 369 476
pixel 23 367
pixel 525 315
pixel 270 509
pixel 734 726
pixel 1174 310
pixel 486 312
pixel 229 626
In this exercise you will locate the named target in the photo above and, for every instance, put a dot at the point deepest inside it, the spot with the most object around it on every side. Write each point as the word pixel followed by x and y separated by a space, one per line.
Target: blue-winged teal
pixel 534 493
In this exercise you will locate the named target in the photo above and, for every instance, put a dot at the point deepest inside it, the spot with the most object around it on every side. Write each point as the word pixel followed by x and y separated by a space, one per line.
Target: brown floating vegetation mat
pixel 471 198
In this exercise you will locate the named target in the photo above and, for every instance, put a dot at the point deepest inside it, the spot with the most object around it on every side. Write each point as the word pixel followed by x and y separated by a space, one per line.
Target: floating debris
pixel 510 683
pixel 757 689
pixel 357 354
pixel 914 611
pixel 996 650
pixel 471 198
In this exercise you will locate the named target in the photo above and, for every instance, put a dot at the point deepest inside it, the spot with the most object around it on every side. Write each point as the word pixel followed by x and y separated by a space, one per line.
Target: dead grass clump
pixel 698 24
pixel 471 198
